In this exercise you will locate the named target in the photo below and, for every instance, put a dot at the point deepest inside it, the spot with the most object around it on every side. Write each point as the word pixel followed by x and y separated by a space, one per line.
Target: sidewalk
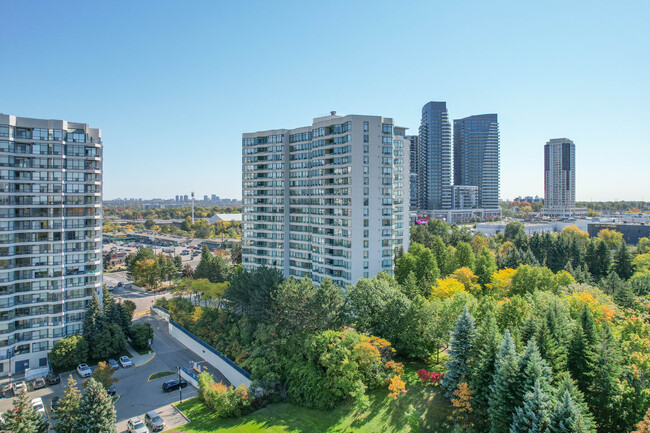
pixel 137 359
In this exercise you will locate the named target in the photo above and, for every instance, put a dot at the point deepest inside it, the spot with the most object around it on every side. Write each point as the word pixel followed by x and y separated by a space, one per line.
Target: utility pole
pixel 192 207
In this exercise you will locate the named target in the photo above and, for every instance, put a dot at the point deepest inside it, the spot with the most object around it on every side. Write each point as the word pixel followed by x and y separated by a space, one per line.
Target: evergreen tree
pixel 503 391
pixel 529 329
pixel 67 411
pixel 533 369
pixel 611 283
pixel 439 251
pixel 96 411
pixel 485 265
pixel 603 258
pixel 603 393
pixel 93 320
pixel 591 260
pixel 580 357
pixel 535 414
pixel 23 418
pixel 204 268
pixel 512 259
pixel 410 286
pixel 528 258
pixel 464 256
pixel 460 352
pixel 549 347
pixel 567 384
pixel 623 262
pixel 486 348
pixel 567 417
pixel 576 253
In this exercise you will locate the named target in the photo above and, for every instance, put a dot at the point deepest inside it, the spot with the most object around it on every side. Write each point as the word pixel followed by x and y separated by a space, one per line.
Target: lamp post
pixel 180 388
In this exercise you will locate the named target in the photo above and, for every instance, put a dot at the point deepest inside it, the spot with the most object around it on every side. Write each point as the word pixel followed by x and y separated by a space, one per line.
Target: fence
pixel 231 371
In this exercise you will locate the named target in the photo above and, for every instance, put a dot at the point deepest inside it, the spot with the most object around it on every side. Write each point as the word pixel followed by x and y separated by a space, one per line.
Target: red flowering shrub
pixel 430 376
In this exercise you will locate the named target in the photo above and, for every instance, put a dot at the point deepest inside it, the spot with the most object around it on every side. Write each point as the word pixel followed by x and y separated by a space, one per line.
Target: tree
pixel 23 418
pixel 147 273
pixel 460 352
pixel 178 264
pixel 251 292
pixel 109 342
pixel 93 319
pixel 514 229
pixel 462 403
pixel 103 374
pixel 464 256
pixel 534 369
pixel 582 348
pixel 485 348
pixel 468 279
pixel 132 260
pixel 567 417
pixel 186 225
pixel 67 411
pixel 96 411
pixel 568 385
pixel 68 352
pixel 141 335
pixel 623 262
pixel 202 229
pixel 235 254
pixel 534 416
pixel 447 288
pixel 503 391
pixel 644 425
pixel 188 271
pixel 149 223
pixel 603 260
pixel 485 266
pixel 612 238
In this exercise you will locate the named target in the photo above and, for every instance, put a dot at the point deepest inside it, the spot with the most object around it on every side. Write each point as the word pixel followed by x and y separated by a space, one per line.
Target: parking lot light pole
pixel 180 388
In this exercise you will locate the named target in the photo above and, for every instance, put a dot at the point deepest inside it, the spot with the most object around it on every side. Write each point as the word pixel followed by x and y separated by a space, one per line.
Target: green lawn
pixel 383 415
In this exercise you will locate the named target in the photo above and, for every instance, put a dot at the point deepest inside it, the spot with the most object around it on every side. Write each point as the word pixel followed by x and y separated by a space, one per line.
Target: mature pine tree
pixel 486 348
pixel 23 418
pixel 67 411
pixel 533 369
pixel 503 391
pixel 604 393
pixel 96 411
pixel 623 262
pixel 580 357
pixel 535 414
pixel 567 417
pixel 460 353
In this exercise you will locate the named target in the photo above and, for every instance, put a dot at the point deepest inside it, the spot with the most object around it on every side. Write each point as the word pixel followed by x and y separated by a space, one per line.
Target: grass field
pixel 383 415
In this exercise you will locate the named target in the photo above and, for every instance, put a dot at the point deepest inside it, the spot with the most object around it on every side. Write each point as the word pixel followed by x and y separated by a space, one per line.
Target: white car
pixel 19 387
pixel 125 362
pixel 38 406
pixel 83 370
pixel 135 425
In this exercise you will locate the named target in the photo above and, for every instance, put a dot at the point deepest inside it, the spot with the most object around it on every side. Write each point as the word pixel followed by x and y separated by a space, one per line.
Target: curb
pixel 175 406
pixel 140 365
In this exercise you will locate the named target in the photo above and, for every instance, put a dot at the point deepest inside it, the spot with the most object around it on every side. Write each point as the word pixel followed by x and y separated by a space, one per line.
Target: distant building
pixel 465 197
pixel 225 217
pixel 412 140
pixel 560 179
pixel 476 157
pixel 434 158
pixel 186 197
pixel 215 197
pixel 205 198
pixel 631 232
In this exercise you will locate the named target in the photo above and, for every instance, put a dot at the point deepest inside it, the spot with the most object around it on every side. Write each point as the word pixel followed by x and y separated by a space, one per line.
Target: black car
pixel 52 379
pixel 173 385
pixel 112 391
pixel 55 402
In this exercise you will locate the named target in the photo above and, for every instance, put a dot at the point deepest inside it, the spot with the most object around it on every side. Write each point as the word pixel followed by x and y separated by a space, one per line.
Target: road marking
pixel 140 365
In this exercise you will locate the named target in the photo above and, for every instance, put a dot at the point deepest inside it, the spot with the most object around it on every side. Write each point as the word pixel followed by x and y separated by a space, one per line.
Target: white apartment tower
pixel 50 235
pixel 326 200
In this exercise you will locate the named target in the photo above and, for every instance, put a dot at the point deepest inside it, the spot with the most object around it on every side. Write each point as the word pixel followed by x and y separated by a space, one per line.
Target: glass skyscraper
pixel 434 158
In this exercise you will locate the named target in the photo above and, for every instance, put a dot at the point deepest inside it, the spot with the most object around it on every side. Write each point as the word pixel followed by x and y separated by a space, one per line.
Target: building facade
pixel 412 141
pixel 434 158
pixel 476 157
pixel 326 200
pixel 50 235
pixel 560 179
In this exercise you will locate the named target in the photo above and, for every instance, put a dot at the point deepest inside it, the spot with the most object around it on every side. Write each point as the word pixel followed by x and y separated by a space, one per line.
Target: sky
pixel 174 84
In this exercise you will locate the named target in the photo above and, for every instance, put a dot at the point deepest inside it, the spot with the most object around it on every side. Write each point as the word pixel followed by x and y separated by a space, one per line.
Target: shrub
pixel 68 352
pixel 430 376
pixel 141 334
pixel 225 401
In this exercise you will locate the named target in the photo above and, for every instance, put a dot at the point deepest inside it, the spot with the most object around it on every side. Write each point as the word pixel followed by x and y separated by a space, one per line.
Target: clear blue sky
pixel 173 85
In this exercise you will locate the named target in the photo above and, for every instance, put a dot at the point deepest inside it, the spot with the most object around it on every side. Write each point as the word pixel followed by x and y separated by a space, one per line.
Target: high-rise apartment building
pixel 412 140
pixel 434 157
pixel 326 200
pixel 560 179
pixel 50 234
pixel 476 157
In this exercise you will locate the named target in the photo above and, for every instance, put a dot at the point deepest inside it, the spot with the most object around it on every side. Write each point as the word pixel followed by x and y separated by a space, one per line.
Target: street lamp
pixel 180 388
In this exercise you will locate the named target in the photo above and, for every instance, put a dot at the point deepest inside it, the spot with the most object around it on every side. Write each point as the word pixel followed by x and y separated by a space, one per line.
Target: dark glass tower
pixel 434 158
pixel 476 157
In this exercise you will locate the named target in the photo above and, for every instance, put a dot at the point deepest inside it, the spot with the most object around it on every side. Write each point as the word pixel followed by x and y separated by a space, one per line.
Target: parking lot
pixel 138 395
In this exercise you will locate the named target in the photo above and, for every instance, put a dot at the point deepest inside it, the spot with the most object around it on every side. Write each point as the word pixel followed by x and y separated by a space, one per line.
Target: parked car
pixel 6 390
pixel 173 385
pixel 83 370
pixel 19 387
pixel 113 363
pixel 154 421
pixel 125 362
pixel 185 252
pixel 135 425
pixel 111 288
pixel 52 379
pixel 55 402
pixel 111 391
pixel 38 406
pixel 38 383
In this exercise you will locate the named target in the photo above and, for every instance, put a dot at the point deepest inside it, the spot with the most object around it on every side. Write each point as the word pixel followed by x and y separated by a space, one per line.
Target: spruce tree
pixel 486 348
pixel 550 349
pixel 567 384
pixel 533 369
pixel 67 411
pixel 93 320
pixel 23 418
pixel 623 262
pixel 503 391
pixel 604 393
pixel 567 417
pixel 529 329
pixel 604 259
pixel 96 411
pixel 535 414
pixel 624 295
pixel 485 266
pixel 460 352
pixel 580 357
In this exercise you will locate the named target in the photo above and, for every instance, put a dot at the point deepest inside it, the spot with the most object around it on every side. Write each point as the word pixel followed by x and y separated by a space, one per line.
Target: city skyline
pixel 178 129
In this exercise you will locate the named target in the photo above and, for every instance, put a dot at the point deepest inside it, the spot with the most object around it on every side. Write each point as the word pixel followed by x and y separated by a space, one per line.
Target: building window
pixel 366 127
pixel 366 170
pixel 366 149
pixel 365 254
pixel 365 244
pixel 365 275
pixel 366 160
pixel 366 233
pixel 366 180
pixel 366 222
pixel 366 139
pixel 386 128
pixel 365 265
pixel 365 212
pixel 42 362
